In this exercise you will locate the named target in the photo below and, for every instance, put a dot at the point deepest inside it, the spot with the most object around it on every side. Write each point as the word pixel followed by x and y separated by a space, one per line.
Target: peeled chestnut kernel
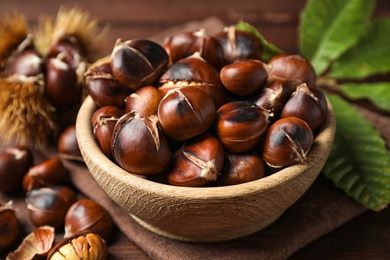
pixel 46 173
pixel 138 62
pixel 287 142
pixel 197 163
pixel 239 45
pixel 310 105
pixel 244 77
pixel 10 228
pixel 48 205
pixel 35 245
pixel 240 125
pixel 15 161
pixel 139 146
pixel 62 89
pixel 103 122
pixel 185 113
pixel 85 245
pixel 240 168
pixel 68 147
pixel 88 215
pixel 293 67
pixel 103 87
pixel 187 43
pixel 144 101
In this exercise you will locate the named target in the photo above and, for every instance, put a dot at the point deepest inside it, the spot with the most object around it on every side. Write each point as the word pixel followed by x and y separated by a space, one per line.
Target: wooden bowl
pixel 209 214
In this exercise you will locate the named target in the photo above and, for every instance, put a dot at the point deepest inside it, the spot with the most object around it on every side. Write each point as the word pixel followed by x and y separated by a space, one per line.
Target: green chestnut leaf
pixel 269 49
pixel 370 56
pixel 378 93
pixel 359 162
pixel 328 28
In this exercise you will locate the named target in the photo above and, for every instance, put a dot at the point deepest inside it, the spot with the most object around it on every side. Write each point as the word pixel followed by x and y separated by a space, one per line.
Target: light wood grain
pixel 202 214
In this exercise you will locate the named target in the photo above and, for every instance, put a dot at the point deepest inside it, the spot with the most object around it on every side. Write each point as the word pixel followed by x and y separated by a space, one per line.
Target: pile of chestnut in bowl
pixel 202 110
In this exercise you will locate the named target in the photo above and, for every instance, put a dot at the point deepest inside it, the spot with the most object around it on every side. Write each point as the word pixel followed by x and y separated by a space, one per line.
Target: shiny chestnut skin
pixel 103 87
pixel 86 214
pixel 310 105
pixel 138 62
pixel 62 89
pixel 293 68
pixel 71 49
pixel 287 142
pixel 47 173
pixel 144 101
pixel 48 205
pixel 27 63
pixel 185 113
pixel 68 147
pixel 15 161
pixel 10 228
pixel 239 45
pixel 197 163
pixel 84 245
pixel 187 43
pixel 240 125
pixel 103 122
pixel 139 146
pixel 240 168
pixel 244 77
pixel 270 100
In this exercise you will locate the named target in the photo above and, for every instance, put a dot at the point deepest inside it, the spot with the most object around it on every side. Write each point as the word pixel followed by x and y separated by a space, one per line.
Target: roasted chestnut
pixel 48 205
pixel 86 214
pixel 138 62
pixel 139 146
pixel 144 101
pixel 287 142
pixel 239 45
pixel 103 87
pixel 293 68
pixel 187 43
pixel 10 227
pixel 15 161
pixel 197 163
pixel 185 113
pixel 240 168
pixel 240 125
pixel 244 77
pixel 310 105
pixel 103 122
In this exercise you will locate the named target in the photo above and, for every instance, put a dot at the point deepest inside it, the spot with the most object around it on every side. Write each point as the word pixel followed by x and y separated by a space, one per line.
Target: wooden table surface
pixel 365 237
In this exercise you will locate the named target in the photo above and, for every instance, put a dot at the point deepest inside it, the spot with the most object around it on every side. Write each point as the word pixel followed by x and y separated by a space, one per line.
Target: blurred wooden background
pixel 367 236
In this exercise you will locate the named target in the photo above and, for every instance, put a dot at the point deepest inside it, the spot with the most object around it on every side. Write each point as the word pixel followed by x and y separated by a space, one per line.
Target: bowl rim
pixel 94 157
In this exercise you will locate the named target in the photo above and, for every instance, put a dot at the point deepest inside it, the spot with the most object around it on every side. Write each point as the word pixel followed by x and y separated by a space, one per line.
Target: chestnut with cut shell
pixel 138 144
pixel 197 163
pixel 287 142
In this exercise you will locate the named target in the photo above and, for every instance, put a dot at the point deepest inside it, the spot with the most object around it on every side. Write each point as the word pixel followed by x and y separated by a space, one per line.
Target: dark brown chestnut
pixel 144 101
pixel 103 122
pixel 310 105
pixel 46 173
pixel 240 168
pixel 70 47
pixel 10 228
pixel 103 87
pixel 293 67
pixel 270 100
pixel 244 77
pixel 15 161
pixel 138 62
pixel 187 43
pixel 86 214
pixel 239 45
pixel 240 125
pixel 287 142
pixel 48 205
pixel 68 147
pixel 185 113
pixel 198 162
pixel 139 146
